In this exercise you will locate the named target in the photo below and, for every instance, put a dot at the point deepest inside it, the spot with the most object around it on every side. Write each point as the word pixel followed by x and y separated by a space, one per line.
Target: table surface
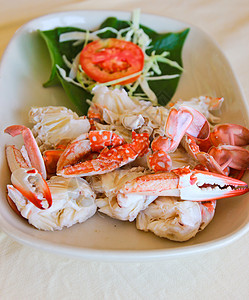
pixel 29 273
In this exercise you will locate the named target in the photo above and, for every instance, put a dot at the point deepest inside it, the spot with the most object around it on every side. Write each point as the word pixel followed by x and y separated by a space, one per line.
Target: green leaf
pixel 114 23
pixel 57 50
pixel 172 42
pixel 164 89
pixel 76 94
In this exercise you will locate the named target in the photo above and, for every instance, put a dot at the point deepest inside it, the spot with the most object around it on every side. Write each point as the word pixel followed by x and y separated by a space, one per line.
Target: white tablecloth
pixel 28 273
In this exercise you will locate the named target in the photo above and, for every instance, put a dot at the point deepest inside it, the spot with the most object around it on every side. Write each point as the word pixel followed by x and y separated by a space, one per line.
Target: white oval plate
pixel 26 65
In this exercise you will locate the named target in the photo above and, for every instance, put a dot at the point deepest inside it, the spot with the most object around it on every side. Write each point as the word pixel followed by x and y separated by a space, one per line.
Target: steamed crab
pixel 161 166
pixel 47 204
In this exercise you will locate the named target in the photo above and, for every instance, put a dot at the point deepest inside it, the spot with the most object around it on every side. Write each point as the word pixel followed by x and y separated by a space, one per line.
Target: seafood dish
pixel 116 161
pixel 132 154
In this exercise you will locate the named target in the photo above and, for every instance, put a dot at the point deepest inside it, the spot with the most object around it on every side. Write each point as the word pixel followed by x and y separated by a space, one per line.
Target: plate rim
pixel 125 255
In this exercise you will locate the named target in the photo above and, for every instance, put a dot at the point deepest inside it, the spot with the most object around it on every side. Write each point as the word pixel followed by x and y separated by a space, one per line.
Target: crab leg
pixel 81 147
pixel 51 158
pixel 95 114
pixel 222 157
pixel 186 184
pixel 110 159
pixel 30 145
pixel 75 151
pixel 160 159
pixel 211 164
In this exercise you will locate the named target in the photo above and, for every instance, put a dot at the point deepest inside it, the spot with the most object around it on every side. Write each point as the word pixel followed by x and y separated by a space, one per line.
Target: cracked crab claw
pixel 30 183
pixel 73 202
pixel 33 152
pixel 187 184
pixel 28 168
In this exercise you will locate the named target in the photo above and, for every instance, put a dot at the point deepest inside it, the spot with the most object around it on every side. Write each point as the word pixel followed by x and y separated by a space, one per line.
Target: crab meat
pixel 115 100
pixel 203 104
pixel 176 220
pixel 188 185
pixel 111 202
pixel 124 207
pixel 54 125
pixel 73 202
pixel 115 107
pixel 172 219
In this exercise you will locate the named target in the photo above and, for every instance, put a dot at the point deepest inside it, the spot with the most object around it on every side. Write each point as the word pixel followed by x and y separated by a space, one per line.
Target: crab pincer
pixel 28 173
pixel 32 186
pixel 31 146
pixel 181 121
pixel 187 184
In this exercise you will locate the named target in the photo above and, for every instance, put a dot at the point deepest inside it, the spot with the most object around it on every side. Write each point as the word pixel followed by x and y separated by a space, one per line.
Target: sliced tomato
pixel 111 59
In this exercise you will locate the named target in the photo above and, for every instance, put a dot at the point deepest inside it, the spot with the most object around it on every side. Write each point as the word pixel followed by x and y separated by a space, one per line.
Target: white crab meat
pixel 120 109
pixel 56 124
pixel 115 100
pixel 124 207
pixel 180 158
pixel 73 202
pixel 116 205
pixel 172 219
pixel 202 104
pixel 132 122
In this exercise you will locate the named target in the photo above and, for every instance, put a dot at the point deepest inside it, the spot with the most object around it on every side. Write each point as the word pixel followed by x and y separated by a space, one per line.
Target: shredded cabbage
pixel 134 34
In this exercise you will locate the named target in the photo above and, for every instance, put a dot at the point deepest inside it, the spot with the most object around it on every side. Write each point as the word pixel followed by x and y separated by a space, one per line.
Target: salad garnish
pixel 153 78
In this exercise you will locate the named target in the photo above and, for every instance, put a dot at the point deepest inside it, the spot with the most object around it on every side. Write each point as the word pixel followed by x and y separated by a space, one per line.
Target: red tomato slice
pixel 111 59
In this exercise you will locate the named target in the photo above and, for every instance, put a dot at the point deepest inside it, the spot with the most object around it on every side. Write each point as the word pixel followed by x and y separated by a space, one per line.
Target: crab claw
pixel 233 156
pixel 185 120
pixel 177 124
pixel 230 134
pixel 187 184
pixel 31 146
pixel 15 158
pixel 30 183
